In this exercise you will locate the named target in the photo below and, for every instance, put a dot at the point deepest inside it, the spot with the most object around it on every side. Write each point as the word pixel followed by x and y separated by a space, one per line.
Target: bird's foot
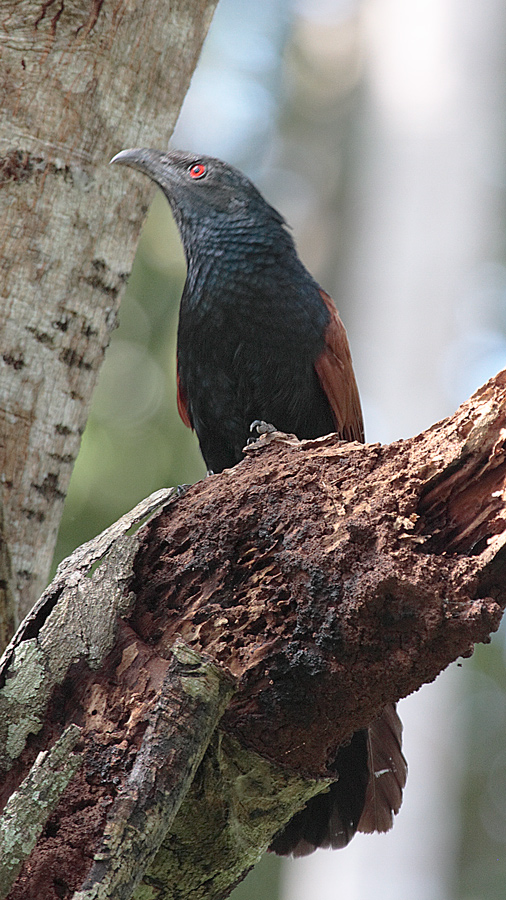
pixel 258 428
pixel 262 433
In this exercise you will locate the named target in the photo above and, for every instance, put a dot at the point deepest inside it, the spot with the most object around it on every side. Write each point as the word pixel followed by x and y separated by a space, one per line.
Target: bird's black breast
pixel 247 344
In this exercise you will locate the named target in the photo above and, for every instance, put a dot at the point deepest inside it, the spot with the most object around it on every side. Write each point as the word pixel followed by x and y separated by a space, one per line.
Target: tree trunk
pixel 80 81
pixel 288 599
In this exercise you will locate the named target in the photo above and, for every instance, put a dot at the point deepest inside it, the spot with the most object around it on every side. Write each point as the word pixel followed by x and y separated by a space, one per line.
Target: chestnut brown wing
pixel 337 378
pixel 182 404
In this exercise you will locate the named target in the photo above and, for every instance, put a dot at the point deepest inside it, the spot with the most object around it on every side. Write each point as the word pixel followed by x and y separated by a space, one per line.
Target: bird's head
pixel 210 199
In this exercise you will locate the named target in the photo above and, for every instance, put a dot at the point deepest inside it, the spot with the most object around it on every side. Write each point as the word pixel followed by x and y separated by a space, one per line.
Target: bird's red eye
pixel 198 170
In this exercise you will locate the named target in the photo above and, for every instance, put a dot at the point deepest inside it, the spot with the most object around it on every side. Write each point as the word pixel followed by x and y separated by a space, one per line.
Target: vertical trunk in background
pixel 79 81
pixel 425 211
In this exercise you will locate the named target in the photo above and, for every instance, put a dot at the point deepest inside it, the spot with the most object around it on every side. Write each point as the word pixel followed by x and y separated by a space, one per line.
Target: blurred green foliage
pixel 263 882
pixel 481 863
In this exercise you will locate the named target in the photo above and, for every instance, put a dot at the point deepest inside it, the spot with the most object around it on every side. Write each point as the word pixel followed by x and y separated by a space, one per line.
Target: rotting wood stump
pixel 200 672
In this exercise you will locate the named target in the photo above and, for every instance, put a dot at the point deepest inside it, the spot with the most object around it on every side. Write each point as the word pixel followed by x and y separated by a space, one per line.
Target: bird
pixel 259 341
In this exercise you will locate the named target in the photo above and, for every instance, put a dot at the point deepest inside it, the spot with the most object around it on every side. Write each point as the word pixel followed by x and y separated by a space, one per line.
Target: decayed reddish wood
pixel 144 732
pixel 328 578
pixel 333 578
pixel 106 705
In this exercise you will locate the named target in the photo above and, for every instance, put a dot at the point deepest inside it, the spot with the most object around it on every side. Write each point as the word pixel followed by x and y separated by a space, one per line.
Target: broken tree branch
pixel 326 579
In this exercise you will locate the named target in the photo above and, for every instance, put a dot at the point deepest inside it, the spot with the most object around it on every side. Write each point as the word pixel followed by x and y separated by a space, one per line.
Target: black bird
pixel 259 339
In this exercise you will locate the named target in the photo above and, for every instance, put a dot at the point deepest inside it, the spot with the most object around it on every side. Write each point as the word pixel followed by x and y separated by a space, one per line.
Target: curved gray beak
pixel 150 162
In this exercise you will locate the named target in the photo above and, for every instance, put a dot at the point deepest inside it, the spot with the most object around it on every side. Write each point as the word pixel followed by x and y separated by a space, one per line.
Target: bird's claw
pixel 262 433
pixel 259 427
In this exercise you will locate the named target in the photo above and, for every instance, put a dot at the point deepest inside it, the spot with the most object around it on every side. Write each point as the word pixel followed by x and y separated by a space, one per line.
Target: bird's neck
pixel 237 261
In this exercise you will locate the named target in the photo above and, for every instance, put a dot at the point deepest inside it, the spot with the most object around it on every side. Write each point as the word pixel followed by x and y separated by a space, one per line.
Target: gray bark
pixel 80 81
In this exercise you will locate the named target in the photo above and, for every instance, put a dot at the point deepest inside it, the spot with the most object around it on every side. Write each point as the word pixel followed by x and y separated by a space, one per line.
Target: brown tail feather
pixel 331 818
pixel 372 774
pixel 388 772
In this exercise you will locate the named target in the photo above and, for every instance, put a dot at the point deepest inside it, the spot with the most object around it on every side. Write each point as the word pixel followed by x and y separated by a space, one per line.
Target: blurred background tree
pixel 378 128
